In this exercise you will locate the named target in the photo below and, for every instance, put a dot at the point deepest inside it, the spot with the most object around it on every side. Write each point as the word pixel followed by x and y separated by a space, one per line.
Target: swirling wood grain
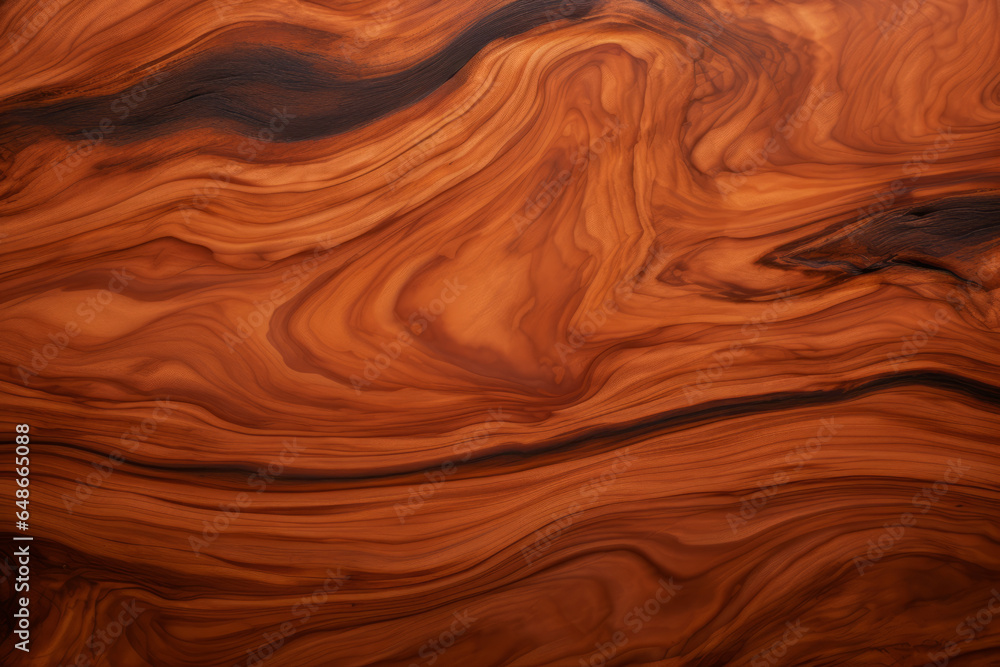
pixel 504 333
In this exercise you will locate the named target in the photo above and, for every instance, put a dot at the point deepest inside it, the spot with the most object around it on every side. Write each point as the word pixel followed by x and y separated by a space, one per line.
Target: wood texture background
pixel 490 333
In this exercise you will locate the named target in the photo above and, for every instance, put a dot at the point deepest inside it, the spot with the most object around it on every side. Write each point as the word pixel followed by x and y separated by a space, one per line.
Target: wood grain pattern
pixel 504 333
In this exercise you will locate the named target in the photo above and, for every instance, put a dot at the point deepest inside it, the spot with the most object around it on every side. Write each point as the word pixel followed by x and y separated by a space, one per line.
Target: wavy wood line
pixel 533 333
